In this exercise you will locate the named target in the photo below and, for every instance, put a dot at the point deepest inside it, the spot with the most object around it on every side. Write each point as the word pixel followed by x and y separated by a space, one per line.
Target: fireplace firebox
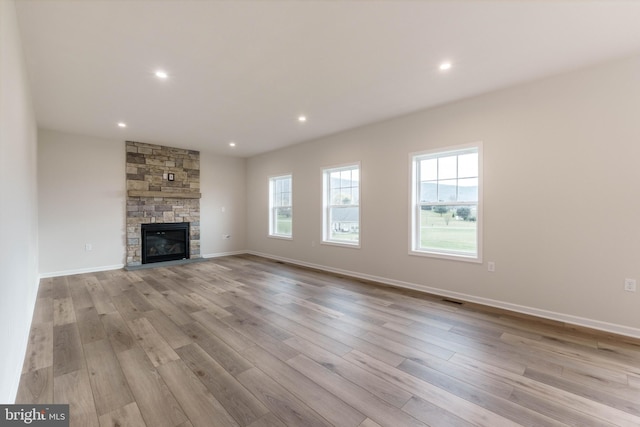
pixel 165 242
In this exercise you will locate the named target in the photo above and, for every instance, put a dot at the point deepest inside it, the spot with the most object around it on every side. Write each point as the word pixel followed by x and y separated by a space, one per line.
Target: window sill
pixel 341 244
pixel 447 256
pixel 275 236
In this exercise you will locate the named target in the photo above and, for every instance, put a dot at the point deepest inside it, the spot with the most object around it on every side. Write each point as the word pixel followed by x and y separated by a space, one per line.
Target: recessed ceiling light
pixel 162 74
pixel 445 66
pixel 232 144
pixel 302 119
pixel 122 125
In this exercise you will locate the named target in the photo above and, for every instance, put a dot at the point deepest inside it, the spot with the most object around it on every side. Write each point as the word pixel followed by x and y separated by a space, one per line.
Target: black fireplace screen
pixel 165 242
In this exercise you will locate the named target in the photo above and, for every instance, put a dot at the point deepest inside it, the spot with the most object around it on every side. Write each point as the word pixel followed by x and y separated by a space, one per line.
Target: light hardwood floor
pixel 245 341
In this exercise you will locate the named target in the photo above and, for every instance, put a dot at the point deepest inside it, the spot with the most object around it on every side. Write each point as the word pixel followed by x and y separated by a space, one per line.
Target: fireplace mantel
pixel 168 194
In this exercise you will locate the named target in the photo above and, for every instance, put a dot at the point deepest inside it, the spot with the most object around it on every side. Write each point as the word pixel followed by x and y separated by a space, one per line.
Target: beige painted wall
pixel 82 200
pixel 18 205
pixel 561 202
pixel 81 182
pixel 222 181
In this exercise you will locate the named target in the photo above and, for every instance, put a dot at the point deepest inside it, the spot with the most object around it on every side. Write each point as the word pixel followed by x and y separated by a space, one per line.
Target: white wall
pixel 561 206
pixel 81 183
pixel 222 182
pixel 82 186
pixel 18 205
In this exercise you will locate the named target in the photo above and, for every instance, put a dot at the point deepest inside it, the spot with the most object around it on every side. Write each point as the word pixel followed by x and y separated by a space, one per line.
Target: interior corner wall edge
pixel 18 210
pixel 560 185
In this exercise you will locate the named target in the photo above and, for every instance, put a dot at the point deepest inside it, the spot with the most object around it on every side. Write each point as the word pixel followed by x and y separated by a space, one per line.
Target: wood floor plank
pixel 157 349
pixel 45 289
pixel 433 415
pixel 601 395
pixel 596 410
pixel 118 332
pixel 206 304
pixel 39 348
pixel 346 339
pixel 197 402
pixel 171 332
pixel 36 387
pixel 101 300
pixel 180 301
pixel 126 308
pixel 222 330
pixel 377 409
pixel 494 402
pixel 569 352
pixel 425 351
pixel 79 293
pixel 63 311
pixel 453 373
pixel 320 400
pixel 219 350
pixel 43 312
pixel 74 389
pixel 555 410
pixel 268 420
pixel 369 423
pixel 174 313
pixel 127 416
pixel 60 287
pixel 512 361
pixel 254 332
pixel 282 403
pixel 440 397
pixel 156 403
pixel 110 388
pixel 67 349
pixel 291 326
pixel 139 300
pixel 237 400
pixel 373 384
pixel 89 325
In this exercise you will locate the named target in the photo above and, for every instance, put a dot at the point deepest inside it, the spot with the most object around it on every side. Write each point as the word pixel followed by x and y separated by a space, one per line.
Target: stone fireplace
pixel 163 186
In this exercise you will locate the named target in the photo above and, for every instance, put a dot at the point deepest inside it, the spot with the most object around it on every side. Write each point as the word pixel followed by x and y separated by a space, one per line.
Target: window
pixel 341 213
pixel 446 203
pixel 280 206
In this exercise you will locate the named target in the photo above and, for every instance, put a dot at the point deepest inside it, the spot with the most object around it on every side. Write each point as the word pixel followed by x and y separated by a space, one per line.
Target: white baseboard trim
pixel 81 271
pixel 545 314
pixel 221 254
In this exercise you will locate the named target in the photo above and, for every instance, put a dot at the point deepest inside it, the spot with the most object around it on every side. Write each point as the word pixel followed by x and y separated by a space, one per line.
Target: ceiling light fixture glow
pixel 122 125
pixel 445 66
pixel 162 74
pixel 302 119
pixel 232 144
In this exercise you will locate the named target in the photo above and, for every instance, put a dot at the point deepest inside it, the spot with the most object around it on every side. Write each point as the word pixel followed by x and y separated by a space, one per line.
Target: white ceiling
pixel 244 70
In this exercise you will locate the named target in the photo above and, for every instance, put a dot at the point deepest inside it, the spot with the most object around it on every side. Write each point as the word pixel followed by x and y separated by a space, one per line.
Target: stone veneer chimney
pixel 152 198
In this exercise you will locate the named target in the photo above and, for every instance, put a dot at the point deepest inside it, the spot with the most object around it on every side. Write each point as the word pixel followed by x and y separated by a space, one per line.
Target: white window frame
pixel 415 204
pixel 326 206
pixel 274 205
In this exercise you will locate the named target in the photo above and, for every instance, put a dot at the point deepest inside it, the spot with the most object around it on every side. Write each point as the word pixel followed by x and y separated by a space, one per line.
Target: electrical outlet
pixel 88 247
pixel 630 285
pixel 491 266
